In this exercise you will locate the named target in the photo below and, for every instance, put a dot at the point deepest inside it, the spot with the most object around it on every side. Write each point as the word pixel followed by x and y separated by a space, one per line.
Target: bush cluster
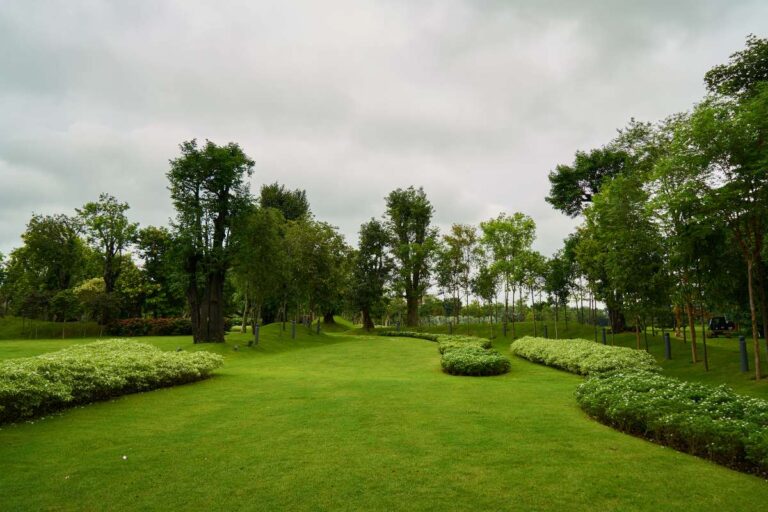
pixel 470 355
pixel 155 327
pixel 710 422
pixel 474 361
pixel 582 356
pixel 451 341
pixel 410 334
pixel 94 371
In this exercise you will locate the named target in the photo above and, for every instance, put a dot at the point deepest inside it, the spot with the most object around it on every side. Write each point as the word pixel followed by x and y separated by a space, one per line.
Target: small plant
pixel 583 357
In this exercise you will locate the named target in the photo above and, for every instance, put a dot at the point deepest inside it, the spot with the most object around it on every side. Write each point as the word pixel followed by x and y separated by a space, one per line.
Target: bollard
pixel 667 347
pixel 743 354
pixel 318 326
pixel 605 341
pixel 293 329
pixel 546 333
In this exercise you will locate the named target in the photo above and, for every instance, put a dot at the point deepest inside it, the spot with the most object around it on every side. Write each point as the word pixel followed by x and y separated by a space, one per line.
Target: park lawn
pixel 348 423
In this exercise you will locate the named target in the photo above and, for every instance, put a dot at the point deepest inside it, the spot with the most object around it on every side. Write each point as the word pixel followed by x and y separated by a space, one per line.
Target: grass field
pixel 338 422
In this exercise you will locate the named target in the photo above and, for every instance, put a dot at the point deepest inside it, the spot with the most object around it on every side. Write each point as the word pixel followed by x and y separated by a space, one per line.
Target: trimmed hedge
pixel 94 371
pixel 711 422
pixel 582 356
pixel 473 361
pixel 451 341
pixel 155 327
pixel 409 334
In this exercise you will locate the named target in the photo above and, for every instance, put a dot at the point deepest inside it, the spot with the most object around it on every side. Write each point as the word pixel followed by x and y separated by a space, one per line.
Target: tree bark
pixel 753 316
pixel 692 329
pixel 367 320
pixel 412 311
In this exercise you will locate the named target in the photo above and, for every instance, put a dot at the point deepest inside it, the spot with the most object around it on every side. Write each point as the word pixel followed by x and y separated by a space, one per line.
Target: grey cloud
pixel 474 100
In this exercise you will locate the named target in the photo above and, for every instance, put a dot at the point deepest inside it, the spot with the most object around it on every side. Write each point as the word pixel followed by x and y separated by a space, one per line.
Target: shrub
pixel 582 356
pixel 94 371
pixel 450 341
pixel 150 327
pixel 474 361
pixel 710 422
pixel 410 334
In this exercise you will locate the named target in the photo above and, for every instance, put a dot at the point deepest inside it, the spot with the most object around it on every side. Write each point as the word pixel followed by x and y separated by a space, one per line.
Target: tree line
pixel 674 212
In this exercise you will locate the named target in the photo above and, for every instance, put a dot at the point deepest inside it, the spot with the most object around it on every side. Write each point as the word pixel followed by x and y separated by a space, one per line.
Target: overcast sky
pixel 475 101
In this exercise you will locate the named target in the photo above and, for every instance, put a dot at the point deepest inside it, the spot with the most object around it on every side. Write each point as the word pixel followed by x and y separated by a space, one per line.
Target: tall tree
pixel 209 192
pixel 293 204
pixel 746 71
pixel 507 238
pixel 109 232
pixel 372 269
pixel 155 247
pixel 456 258
pixel 413 242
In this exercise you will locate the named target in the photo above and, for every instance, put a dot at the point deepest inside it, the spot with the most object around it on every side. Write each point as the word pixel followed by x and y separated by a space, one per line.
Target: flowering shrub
pixel 582 356
pixel 473 360
pixel 410 334
pixel 94 371
pixel 451 341
pixel 710 422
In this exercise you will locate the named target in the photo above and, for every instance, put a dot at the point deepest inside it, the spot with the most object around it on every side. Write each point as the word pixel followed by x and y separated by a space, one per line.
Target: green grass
pixel 17 328
pixel 335 422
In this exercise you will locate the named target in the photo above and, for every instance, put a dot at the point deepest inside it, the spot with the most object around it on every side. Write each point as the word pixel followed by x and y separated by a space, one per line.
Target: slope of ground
pixel 335 422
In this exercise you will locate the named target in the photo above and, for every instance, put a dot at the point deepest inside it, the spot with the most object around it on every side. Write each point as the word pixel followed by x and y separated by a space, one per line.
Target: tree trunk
pixel 412 311
pixel 514 333
pixel 244 322
pixel 533 312
pixel 367 321
pixel 763 301
pixel 637 331
pixel 328 318
pixel 753 316
pixel 691 329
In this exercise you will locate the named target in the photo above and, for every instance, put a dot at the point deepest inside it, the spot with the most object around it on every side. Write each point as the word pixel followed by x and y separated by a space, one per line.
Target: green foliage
pixel 710 422
pixel 451 341
pixel 109 232
pixel 409 334
pixel 583 357
pixel 372 268
pixel 412 242
pixel 95 371
pixel 151 327
pixel 474 361
pixel 746 70
pixel 293 204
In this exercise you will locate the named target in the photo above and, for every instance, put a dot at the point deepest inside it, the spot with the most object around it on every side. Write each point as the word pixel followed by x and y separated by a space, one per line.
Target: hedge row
pixel 155 327
pixel 94 371
pixel 710 422
pixel 469 355
pixel 582 356
pixel 410 334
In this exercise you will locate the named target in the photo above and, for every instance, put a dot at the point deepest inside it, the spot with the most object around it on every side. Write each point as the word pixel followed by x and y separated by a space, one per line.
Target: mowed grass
pixel 335 422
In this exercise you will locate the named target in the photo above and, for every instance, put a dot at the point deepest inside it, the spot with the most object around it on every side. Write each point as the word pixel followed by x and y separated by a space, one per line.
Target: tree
pixel 456 257
pixel 745 72
pixel 412 242
pixel 293 204
pixel 53 251
pixel 259 262
pixel 558 282
pixel 732 139
pixel 371 271
pixel 155 246
pixel 572 187
pixel 209 193
pixel 507 238
pixel 109 232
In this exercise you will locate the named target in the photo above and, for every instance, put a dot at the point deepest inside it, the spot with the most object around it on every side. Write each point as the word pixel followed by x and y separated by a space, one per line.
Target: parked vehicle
pixel 721 326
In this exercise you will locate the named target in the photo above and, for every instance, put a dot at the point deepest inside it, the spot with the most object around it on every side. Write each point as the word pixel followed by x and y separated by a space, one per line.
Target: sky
pixel 476 101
